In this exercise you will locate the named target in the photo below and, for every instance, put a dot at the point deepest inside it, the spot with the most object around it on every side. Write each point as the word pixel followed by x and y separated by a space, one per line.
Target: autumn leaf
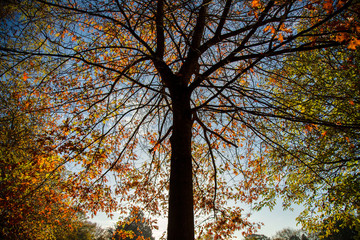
pixel 354 43
pixel 281 38
pixel 272 29
pixel 341 37
pixel 309 127
pixel 283 28
pixel 25 76
pixel 310 7
pixel 327 5
pixel 256 4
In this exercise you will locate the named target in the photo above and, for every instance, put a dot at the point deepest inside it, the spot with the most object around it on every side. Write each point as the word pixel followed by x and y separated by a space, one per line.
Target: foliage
pixel 166 96
pixel 317 164
pixel 6 8
pixel 341 232
pixel 256 237
pixel 290 234
pixel 30 207
pixel 85 230
pixel 134 227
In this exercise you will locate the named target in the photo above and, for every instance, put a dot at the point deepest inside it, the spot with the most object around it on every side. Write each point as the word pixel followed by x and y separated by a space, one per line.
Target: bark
pixel 181 216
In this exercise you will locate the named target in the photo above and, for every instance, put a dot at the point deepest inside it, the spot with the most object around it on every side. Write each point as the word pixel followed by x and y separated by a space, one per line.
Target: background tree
pixel 171 82
pixel 257 237
pixel 313 164
pixel 341 231
pixel 135 226
pixel 82 229
pixel 30 208
pixel 289 234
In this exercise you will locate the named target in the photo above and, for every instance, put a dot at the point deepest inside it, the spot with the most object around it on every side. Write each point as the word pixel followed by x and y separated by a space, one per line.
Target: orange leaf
pixel 357 29
pixel 309 127
pixel 354 43
pixel 341 37
pixel 283 28
pixel 324 133
pixel 351 102
pixel 25 77
pixel 328 6
pixel 272 29
pixel 281 38
pixel 255 4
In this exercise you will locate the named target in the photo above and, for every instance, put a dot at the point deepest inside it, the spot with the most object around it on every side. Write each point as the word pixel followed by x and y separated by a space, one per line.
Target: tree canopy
pixel 30 207
pixel 164 98
pixel 312 164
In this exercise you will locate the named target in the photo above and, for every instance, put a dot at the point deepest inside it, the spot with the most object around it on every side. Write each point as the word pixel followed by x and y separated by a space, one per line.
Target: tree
pixel 134 227
pixel 83 229
pixel 256 237
pixel 30 208
pixel 175 77
pixel 289 234
pixel 312 164
pixel 342 231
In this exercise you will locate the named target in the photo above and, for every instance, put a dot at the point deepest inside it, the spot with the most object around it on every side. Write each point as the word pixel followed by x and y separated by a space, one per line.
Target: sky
pixel 274 221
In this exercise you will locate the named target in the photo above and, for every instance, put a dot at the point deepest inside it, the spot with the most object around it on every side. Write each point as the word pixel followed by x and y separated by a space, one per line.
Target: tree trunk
pixel 181 216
